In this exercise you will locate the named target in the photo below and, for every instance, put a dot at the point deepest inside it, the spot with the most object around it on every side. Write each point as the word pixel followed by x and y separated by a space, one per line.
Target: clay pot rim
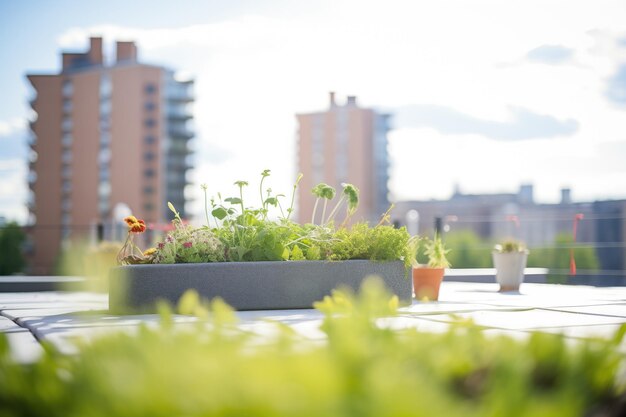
pixel 424 267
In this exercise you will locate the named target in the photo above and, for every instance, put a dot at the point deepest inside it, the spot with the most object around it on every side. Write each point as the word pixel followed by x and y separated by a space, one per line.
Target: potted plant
pixel 259 258
pixel 427 278
pixel 509 259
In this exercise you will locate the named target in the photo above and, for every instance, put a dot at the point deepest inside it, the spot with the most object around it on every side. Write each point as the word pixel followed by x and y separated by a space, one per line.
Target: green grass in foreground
pixel 364 369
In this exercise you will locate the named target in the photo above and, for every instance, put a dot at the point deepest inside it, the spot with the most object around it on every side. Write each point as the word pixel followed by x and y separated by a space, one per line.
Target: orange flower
pixel 138 227
pixel 130 220
pixel 135 225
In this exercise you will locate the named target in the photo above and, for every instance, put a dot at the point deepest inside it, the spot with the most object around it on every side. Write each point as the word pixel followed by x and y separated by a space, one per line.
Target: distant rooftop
pixel 126 52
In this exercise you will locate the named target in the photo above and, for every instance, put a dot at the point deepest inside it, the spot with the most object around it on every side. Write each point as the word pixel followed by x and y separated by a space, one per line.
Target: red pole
pixel 572 262
pixel 514 219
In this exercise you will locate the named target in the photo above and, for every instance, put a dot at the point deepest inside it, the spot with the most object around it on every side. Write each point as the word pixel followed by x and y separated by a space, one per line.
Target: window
pixel 148 207
pixel 104 156
pixel 149 122
pixel 68 88
pixel 67 156
pixel 67 124
pixel 105 125
pixel 149 106
pixel 150 88
pixel 67 105
pixel 105 108
pixel 106 87
pixel 149 173
pixel 104 189
pixel 105 174
pixel 103 206
pixel 67 139
pixel 148 190
pixel 150 139
pixel 149 156
pixel 105 139
pixel 67 186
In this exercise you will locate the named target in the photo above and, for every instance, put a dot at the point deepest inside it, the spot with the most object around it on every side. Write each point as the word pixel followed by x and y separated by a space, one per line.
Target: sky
pixel 485 95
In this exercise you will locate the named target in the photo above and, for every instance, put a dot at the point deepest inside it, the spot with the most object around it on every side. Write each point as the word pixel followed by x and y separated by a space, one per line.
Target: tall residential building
pixel 344 144
pixel 104 135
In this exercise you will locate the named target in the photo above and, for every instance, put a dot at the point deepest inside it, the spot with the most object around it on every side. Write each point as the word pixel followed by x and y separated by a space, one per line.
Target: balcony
pixel 178 166
pixel 179 151
pixel 178 114
pixel 180 92
pixel 180 131
pixel 177 183
pixel 32 140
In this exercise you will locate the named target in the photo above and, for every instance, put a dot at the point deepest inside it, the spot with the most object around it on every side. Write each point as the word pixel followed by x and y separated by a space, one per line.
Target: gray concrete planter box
pixel 248 285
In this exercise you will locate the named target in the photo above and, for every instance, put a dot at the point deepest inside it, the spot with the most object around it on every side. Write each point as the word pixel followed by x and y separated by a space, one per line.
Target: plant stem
pixel 324 211
pixel 293 196
pixel 280 207
pixel 241 200
pixel 385 217
pixel 317 200
pixel 263 211
pixel 206 208
pixel 334 210
pixel 120 254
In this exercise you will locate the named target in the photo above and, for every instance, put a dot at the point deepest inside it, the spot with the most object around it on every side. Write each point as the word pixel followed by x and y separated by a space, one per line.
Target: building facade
pixel 105 136
pixel 495 217
pixel 344 144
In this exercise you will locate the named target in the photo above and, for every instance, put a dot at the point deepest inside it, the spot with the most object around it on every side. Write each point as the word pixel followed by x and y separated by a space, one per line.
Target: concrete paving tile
pixel 402 323
pixel 77 323
pixel 23 346
pixel 527 320
pixel 67 340
pixel 53 296
pixel 51 304
pixel 616 310
pixel 442 307
pixel 39 313
pixel 285 316
pixel 309 329
pixel 7 324
pixel 529 295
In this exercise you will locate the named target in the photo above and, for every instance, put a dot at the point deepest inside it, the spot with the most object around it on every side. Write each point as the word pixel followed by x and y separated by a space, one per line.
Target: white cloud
pixel 13 190
pixel 11 127
pixel 11 165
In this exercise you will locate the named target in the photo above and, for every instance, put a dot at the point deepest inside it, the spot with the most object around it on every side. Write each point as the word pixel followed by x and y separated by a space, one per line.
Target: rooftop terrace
pixel 64 318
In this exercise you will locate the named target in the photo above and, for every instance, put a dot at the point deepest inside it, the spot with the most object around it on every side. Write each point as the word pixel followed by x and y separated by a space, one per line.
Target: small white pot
pixel 510 269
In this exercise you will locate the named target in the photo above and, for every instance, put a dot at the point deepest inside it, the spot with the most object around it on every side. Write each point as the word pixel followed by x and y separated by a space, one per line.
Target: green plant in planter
pixel 436 252
pixel 433 250
pixel 510 246
pixel 236 231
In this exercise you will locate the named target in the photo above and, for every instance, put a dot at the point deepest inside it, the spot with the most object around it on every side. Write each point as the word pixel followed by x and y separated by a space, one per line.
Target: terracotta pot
pixel 426 282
